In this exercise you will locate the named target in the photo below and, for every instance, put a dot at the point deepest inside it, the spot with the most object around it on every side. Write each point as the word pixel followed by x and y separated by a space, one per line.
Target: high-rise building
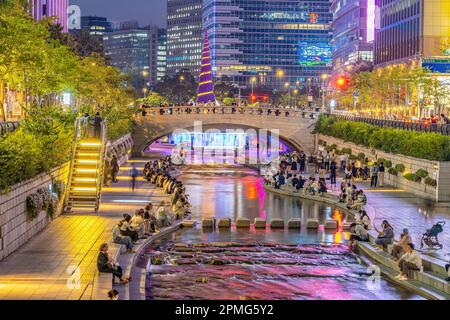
pixel 50 8
pixel 96 26
pixel 353 32
pixel 137 52
pixel 157 54
pixel 413 30
pixel 270 42
pixel 184 36
pixel 161 55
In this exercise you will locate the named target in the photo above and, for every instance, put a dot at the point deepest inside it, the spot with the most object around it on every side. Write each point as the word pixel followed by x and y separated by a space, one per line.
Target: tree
pixel 180 88
pixel 153 99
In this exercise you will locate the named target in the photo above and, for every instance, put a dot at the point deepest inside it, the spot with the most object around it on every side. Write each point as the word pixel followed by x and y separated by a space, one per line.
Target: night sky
pixel 145 11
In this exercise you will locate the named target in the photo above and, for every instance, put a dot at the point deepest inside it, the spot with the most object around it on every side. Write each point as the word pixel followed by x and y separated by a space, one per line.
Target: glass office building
pixel 184 36
pixel 353 33
pixel 413 30
pixel 269 42
pixel 96 26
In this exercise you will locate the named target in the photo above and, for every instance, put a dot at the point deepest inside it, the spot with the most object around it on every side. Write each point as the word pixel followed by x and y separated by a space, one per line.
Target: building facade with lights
pixel 184 36
pixel 270 43
pixel 413 30
pixel 96 26
pixel 51 8
pixel 353 33
pixel 137 52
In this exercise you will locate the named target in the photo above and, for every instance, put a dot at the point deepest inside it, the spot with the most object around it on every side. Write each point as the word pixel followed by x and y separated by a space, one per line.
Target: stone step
pixel 224 223
pixel 243 223
pixel 295 223
pixel 330 224
pixel 209 223
pixel 260 223
pixel 277 223
pixel 312 224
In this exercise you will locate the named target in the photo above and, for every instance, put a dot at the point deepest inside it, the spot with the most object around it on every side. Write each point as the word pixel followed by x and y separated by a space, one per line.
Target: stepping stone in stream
pixel 312 224
pixel 295 223
pixel 224 223
pixel 330 224
pixel 188 223
pixel 277 224
pixel 243 223
pixel 260 223
pixel 208 223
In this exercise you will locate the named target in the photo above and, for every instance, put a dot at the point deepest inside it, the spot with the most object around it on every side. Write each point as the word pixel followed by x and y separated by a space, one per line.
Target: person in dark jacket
pixel 97 125
pixel 333 168
pixel 106 264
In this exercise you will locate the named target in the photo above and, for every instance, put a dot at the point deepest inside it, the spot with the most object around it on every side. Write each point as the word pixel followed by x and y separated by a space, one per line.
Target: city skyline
pixel 145 11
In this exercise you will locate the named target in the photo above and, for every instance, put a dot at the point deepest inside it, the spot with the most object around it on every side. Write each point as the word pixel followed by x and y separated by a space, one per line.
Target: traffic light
pixel 265 98
pixel 254 98
pixel 342 82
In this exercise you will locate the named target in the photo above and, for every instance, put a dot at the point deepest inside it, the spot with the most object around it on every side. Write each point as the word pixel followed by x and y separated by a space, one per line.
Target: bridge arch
pixel 294 127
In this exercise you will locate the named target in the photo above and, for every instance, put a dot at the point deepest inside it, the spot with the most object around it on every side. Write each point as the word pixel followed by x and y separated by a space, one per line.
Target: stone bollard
pixel 188 223
pixel 224 223
pixel 208 223
pixel 295 223
pixel 346 226
pixel 312 224
pixel 277 224
pixel 260 223
pixel 330 224
pixel 243 223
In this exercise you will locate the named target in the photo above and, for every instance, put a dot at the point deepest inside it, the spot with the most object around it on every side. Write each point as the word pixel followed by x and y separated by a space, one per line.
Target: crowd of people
pixel 150 219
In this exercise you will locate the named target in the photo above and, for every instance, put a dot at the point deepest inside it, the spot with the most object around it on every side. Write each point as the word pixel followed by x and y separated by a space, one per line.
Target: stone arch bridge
pixel 295 126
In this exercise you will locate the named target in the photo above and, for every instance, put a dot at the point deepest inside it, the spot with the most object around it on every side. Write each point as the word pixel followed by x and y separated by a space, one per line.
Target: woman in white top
pixel 410 261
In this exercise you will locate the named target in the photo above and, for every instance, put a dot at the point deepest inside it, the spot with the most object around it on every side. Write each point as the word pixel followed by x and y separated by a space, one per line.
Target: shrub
pixel 58 187
pixel 361 156
pixel 393 171
pixel 430 182
pixel 346 150
pixel 400 167
pixel 412 177
pixel 423 145
pixel 422 173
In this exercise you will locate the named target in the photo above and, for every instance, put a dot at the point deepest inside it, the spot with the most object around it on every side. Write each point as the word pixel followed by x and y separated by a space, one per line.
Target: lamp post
pixel 287 85
pixel 324 78
pixel 252 82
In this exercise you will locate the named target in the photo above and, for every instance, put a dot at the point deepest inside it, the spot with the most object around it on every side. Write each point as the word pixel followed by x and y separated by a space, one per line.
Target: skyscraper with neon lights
pixel 277 43
pixel 51 8
pixel 205 91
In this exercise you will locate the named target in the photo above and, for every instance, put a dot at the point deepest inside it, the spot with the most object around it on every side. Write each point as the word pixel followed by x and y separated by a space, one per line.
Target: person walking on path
pixel 374 175
pixel 333 168
pixel 114 168
pixel 97 125
pixel 381 170
pixel 133 174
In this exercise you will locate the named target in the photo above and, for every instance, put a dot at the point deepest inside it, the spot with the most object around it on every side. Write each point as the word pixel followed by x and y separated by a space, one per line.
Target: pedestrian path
pixel 406 210
pixel 44 267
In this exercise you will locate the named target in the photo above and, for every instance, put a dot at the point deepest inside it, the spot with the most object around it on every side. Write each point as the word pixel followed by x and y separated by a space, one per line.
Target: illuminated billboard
pixel 313 54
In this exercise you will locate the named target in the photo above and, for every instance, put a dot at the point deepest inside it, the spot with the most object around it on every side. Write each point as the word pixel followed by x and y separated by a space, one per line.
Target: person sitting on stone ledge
pixel 385 235
pixel 127 230
pixel 410 261
pixel 137 223
pixel 364 220
pixel 447 267
pixel 401 247
pixel 162 216
pixel 358 233
pixel 149 219
pixel 105 264
pixel 120 239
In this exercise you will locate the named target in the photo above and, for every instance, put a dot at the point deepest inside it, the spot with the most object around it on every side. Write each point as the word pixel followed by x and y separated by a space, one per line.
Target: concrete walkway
pixel 42 268
pixel 405 210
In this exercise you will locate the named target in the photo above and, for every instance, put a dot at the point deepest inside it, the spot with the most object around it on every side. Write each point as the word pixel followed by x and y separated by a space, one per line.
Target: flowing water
pixel 256 264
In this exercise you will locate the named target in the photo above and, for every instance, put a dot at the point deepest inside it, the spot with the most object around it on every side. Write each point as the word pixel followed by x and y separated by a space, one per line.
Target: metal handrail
pixel 101 162
pixel 72 161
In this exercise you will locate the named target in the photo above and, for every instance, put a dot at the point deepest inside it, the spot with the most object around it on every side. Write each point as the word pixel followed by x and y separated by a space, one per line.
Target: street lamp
pixel 324 78
pixel 252 82
pixel 287 85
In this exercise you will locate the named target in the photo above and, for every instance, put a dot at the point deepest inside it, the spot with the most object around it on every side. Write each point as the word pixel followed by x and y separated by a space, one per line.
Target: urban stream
pixel 256 264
